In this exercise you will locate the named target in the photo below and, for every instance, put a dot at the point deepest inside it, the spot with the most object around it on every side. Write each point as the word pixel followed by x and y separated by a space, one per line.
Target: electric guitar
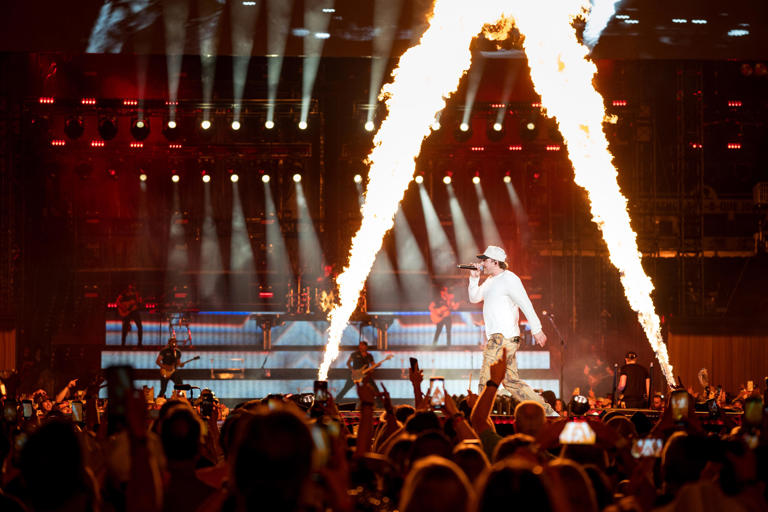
pixel 359 375
pixel 127 306
pixel 166 370
pixel 438 313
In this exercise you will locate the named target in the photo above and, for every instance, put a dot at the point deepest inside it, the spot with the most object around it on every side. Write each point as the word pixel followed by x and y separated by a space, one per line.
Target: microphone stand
pixel 562 353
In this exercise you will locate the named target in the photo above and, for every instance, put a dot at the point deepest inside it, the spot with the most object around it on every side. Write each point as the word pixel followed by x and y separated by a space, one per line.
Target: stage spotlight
pixel 302 125
pixel 369 126
pixel 296 178
pixel 476 179
pixel 447 180
pixel 234 178
pixel 495 131
pixel 171 130
pixel 143 176
pixel 269 124
pixel 112 173
pixel 107 128
pixel 206 177
pixel 175 177
pixel 140 129
pixel 463 132
pixel 236 125
pixel 507 179
pixel 74 127
pixel 419 179
pixel 265 178
pixel 358 178
pixel 529 129
pixel 205 125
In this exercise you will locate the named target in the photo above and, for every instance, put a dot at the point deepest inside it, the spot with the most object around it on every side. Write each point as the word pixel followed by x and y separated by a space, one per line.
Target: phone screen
pixel 753 412
pixel 414 364
pixel 679 401
pixel 577 432
pixel 26 409
pixel 77 411
pixel 649 447
pixel 322 442
pixel 437 392
pixel 321 391
pixel 10 411
pixel 119 387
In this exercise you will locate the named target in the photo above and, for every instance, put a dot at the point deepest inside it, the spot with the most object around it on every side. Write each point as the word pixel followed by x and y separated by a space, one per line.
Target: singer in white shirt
pixel 503 296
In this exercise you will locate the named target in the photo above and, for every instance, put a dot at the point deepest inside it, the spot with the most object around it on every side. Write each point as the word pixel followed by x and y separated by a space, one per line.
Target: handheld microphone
pixel 466 267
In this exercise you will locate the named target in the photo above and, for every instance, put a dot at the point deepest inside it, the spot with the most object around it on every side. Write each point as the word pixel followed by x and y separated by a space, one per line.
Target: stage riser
pixel 243 328
pixel 245 389
pixel 256 374
pixel 429 361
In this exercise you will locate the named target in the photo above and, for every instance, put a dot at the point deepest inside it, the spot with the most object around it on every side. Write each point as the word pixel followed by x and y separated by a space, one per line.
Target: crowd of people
pixel 282 453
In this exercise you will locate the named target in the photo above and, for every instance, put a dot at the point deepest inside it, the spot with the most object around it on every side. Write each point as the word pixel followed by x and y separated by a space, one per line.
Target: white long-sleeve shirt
pixel 503 297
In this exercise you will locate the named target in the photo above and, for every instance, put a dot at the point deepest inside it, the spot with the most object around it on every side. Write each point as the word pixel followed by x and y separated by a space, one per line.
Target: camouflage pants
pixel 519 389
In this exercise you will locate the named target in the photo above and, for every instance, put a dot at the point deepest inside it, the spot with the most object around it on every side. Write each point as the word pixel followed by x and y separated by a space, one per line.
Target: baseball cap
pixel 495 253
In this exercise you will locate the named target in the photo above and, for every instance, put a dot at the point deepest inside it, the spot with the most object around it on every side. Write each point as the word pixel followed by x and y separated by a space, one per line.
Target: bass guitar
pixel 359 375
pixel 166 370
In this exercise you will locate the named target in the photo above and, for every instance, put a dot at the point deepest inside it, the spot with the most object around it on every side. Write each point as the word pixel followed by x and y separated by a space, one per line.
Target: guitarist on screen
pixel 440 313
pixel 128 303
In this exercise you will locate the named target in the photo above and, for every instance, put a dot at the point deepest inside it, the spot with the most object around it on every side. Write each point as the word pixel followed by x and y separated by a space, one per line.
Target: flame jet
pixel 562 75
pixel 426 75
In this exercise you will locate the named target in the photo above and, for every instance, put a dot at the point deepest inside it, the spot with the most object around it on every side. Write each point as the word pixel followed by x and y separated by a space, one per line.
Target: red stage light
pixel 88 101
pixel 136 145
pixel 516 147
pixel 734 103
pixel 169 102
pixel 266 295
pixel 46 100
pixel 734 145
pixel 553 147
pixel 58 142
pixel 174 146
pixel 696 145
pixel 619 103
pixel 130 103
pixel 536 104
pixel 97 143
pixel 477 148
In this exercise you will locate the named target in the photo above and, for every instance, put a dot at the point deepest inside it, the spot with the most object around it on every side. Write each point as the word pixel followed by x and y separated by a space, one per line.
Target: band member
pixel 169 360
pixel 361 366
pixel 503 296
pixel 128 303
pixel 440 313
pixel 634 383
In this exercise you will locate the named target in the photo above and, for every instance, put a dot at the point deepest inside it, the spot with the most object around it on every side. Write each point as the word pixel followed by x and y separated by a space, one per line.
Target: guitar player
pixel 169 359
pixel 440 313
pixel 358 361
pixel 128 303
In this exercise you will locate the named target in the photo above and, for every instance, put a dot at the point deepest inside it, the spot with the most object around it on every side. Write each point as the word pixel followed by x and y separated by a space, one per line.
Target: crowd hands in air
pixel 284 454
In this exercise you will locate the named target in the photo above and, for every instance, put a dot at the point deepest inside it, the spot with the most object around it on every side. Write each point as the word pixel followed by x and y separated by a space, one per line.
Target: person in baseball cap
pixel 495 253
pixel 503 296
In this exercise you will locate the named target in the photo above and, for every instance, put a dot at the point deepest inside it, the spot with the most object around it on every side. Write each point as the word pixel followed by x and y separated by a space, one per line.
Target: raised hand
pixel 384 395
pixel 499 368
